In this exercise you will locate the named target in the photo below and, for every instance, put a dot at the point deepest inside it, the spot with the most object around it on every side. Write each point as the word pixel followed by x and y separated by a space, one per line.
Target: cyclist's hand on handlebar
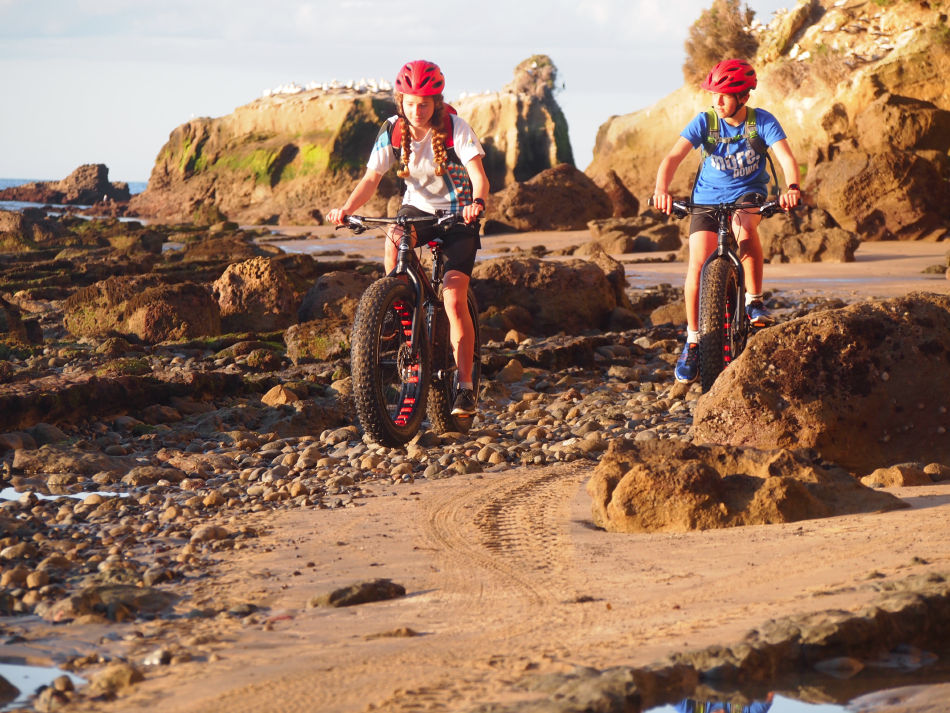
pixel 790 198
pixel 471 212
pixel 662 201
pixel 337 216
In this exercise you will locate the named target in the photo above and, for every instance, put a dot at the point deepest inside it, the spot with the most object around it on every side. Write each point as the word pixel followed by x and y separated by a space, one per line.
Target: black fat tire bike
pixel 724 326
pixel 401 358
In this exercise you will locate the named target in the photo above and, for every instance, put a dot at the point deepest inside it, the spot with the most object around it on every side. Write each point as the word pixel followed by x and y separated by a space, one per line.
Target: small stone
pixel 362 593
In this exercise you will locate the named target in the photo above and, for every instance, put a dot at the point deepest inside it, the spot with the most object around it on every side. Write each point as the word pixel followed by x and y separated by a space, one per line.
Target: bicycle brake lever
pixel 354 224
pixel 448 220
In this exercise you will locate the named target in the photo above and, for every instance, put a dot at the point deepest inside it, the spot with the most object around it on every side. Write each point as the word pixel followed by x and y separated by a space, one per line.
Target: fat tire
pixel 443 390
pixel 390 406
pixel 718 312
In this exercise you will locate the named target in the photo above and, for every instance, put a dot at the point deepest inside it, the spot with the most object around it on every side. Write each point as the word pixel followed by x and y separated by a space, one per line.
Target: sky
pixel 106 81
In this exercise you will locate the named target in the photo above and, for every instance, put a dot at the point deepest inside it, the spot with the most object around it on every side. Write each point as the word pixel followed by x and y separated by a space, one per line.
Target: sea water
pixel 134 187
pixel 28 680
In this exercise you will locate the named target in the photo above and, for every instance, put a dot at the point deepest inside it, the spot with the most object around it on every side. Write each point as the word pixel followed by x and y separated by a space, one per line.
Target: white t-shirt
pixel 424 189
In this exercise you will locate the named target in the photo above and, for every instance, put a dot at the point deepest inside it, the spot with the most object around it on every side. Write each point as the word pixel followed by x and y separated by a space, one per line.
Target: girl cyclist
pixel 441 162
pixel 733 170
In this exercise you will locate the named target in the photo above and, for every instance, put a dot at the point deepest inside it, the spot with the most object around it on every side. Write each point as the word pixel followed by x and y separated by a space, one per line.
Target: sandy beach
pixel 506 577
pixel 880 269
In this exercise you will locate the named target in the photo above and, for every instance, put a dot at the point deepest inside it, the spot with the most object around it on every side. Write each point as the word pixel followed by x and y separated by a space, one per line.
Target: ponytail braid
pixel 438 137
pixel 403 171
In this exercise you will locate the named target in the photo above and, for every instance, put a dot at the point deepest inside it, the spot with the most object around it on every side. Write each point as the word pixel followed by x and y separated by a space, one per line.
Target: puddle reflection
pixel 14 494
pixel 833 685
pixel 770 704
pixel 28 681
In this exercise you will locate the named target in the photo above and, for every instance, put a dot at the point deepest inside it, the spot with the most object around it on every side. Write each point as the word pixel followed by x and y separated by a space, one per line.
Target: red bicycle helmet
pixel 731 76
pixel 420 78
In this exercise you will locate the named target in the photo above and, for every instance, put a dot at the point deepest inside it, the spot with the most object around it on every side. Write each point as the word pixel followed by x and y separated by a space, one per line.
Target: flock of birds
pixel 361 85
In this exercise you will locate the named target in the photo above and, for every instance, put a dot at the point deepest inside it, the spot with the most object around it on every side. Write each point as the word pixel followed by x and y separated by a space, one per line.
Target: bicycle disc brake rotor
pixel 406 364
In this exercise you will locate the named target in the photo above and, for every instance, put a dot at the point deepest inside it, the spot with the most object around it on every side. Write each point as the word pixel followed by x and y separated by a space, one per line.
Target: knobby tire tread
pixel 373 379
pixel 717 303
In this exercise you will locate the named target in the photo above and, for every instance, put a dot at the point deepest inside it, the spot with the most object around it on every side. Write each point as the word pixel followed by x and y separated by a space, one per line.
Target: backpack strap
pixel 752 133
pixel 758 145
pixel 712 138
pixel 398 126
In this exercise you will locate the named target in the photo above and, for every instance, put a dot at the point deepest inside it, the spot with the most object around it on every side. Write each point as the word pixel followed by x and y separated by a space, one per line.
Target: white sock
pixel 750 298
pixel 692 336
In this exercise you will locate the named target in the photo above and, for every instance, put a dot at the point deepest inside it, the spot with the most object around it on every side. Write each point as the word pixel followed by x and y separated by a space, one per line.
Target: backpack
pixel 713 138
pixel 456 176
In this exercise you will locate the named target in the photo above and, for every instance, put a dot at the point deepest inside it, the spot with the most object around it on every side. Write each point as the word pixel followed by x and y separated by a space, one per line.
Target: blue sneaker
pixel 687 366
pixel 758 315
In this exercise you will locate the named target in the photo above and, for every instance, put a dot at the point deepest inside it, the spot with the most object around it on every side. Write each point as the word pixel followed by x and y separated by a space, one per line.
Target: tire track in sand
pixel 507 562
pixel 513 528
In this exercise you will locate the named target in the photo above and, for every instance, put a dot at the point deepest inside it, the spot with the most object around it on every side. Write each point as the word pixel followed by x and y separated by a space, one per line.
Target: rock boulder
pixel 571 297
pixel 521 127
pixel 288 158
pixel 87 185
pixel 671 486
pixel 559 198
pixel 255 295
pixel 141 308
pixel 860 384
pixel 869 121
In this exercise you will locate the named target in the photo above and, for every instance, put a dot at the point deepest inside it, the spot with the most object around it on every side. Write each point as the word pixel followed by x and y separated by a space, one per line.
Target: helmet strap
pixel 741 100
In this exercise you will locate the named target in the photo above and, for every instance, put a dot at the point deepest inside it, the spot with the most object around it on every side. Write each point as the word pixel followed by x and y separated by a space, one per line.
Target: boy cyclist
pixel 441 163
pixel 733 170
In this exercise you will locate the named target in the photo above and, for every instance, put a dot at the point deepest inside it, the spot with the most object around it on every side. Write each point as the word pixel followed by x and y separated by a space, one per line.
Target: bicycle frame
pixel 723 323
pixel 408 263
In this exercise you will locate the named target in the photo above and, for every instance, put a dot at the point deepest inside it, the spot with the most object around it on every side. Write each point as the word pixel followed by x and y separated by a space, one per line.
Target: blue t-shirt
pixel 732 169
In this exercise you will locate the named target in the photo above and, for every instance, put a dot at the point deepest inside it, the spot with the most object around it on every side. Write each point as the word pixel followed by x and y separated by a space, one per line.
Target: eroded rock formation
pixel 864 101
pixel 671 486
pixel 288 158
pixel 861 385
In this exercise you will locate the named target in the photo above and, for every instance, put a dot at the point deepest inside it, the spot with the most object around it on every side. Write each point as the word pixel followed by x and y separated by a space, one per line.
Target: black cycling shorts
pixel 708 222
pixel 459 245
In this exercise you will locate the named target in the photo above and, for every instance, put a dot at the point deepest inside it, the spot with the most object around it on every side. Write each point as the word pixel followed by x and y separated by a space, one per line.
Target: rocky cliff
pixel 280 158
pixel 860 88
pixel 522 128
pixel 287 158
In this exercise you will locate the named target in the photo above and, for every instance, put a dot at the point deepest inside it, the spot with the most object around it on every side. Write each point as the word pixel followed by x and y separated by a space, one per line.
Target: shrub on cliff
pixel 721 32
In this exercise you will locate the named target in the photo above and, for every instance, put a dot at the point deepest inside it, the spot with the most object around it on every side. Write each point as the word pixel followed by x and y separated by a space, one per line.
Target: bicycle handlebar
pixel 683 208
pixel 443 219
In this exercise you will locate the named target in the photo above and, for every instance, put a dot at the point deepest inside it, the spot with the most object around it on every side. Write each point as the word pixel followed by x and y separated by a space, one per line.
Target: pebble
pixel 185 490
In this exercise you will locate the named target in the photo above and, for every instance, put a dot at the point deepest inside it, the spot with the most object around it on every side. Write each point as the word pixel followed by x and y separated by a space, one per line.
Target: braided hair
pixel 437 126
